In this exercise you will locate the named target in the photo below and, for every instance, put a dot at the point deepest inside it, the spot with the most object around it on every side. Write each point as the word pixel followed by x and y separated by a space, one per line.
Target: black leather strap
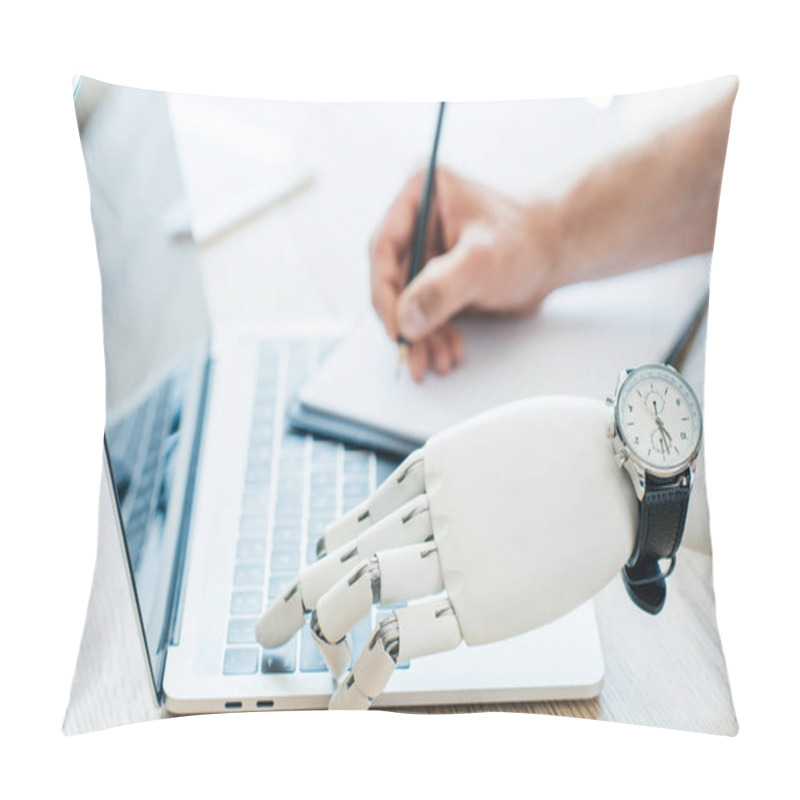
pixel 662 518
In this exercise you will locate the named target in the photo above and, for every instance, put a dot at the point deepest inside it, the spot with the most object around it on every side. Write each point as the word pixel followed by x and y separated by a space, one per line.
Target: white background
pixel 51 400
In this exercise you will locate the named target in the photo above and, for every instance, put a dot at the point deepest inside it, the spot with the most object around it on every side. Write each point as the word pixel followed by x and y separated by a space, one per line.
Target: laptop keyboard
pixel 295 485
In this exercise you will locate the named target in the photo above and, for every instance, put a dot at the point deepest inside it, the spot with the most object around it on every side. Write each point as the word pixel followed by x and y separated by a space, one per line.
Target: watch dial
pixel 659 417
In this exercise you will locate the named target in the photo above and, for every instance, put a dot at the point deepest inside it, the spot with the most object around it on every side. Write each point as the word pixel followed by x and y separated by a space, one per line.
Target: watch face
pixel 659 418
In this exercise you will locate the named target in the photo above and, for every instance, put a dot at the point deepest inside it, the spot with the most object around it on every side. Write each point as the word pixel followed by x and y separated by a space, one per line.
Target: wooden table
pixel 307 258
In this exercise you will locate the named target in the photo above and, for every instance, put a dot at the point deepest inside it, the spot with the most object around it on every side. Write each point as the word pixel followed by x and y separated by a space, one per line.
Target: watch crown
pixel 621 458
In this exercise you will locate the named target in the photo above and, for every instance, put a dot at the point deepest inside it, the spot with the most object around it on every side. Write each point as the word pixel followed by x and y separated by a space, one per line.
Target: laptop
pixel 219 500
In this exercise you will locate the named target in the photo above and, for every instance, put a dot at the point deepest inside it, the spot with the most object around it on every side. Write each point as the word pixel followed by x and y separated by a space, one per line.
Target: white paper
pixel 231 169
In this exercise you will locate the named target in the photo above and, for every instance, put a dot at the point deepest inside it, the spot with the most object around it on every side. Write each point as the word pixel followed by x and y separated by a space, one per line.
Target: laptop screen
pixel 155 329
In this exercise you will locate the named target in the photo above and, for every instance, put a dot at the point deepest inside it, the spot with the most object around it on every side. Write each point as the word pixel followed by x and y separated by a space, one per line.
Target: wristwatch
pixel 657 427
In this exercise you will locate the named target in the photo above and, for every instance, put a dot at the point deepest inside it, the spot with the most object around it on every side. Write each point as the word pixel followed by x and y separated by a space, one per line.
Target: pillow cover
pixel 254 259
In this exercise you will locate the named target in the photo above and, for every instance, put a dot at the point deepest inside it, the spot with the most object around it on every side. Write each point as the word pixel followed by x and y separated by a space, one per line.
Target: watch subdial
pixel 660 442
pixel 654 403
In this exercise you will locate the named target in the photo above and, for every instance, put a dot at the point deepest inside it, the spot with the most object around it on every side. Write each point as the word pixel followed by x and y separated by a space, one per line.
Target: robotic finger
pixel 405 483
pixel 408 524
pixel 418 630
pixel 388 577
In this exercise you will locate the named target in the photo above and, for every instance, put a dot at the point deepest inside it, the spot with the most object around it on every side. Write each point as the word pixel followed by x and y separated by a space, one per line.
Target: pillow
pixel 255 261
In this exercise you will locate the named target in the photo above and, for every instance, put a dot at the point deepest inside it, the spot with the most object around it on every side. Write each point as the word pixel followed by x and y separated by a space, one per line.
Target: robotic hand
pixel 502 524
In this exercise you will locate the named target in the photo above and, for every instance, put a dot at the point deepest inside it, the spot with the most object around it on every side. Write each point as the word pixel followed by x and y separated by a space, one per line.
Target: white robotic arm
pixel 494 527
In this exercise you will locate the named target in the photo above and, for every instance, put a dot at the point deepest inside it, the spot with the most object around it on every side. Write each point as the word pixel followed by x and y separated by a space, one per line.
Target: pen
pixel 681 346
pixel 421 229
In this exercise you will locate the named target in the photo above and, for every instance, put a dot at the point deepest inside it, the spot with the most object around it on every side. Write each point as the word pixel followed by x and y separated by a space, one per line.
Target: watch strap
pixel 662 518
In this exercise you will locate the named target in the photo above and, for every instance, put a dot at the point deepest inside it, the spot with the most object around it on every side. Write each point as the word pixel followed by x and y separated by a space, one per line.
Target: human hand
pixel 485 251
pixel 478 532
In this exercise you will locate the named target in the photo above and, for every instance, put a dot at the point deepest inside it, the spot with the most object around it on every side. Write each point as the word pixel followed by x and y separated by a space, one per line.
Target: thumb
pixel 446 285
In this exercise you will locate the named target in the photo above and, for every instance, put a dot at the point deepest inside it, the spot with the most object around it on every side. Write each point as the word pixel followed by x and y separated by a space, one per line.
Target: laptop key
pixel 285 560
pixel 261 432
pixel 258 474
pixel 253 523
pixel 324 452
pixel 288 501
pixel 240 661
pixel 317 525
pixel 290 517
pixel 246 603
pixel 323 478
pixel 263 413
pixel 264 398
pixel 356 462
pixel 356 466
pixel 291 473
pixel 322 505
pixel 248 575
pixel 311 551
pixel 261 437
pixel 255 494
pixel 259 458
pixel 242 631
pixel 354 492
pixel 251 550
pixel 278 584
pixel 361 632
pixel 259 452
pixel 281 659
pixel 290 485
pixel 292 442
pixel 283 534
pixel 266 379
pixel 383 469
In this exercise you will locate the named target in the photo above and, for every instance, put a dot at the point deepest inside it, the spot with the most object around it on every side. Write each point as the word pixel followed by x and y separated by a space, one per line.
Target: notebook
pixel 575 344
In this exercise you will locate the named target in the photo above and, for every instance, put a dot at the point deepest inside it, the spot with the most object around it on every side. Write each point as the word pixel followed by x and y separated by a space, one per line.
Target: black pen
pixel 423 217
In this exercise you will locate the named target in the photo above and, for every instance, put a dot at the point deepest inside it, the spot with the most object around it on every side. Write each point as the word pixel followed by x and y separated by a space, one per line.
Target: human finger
pixel 418 359
pixel 389 253
pixel 441 351
pixel 456 341
pixel 447 284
